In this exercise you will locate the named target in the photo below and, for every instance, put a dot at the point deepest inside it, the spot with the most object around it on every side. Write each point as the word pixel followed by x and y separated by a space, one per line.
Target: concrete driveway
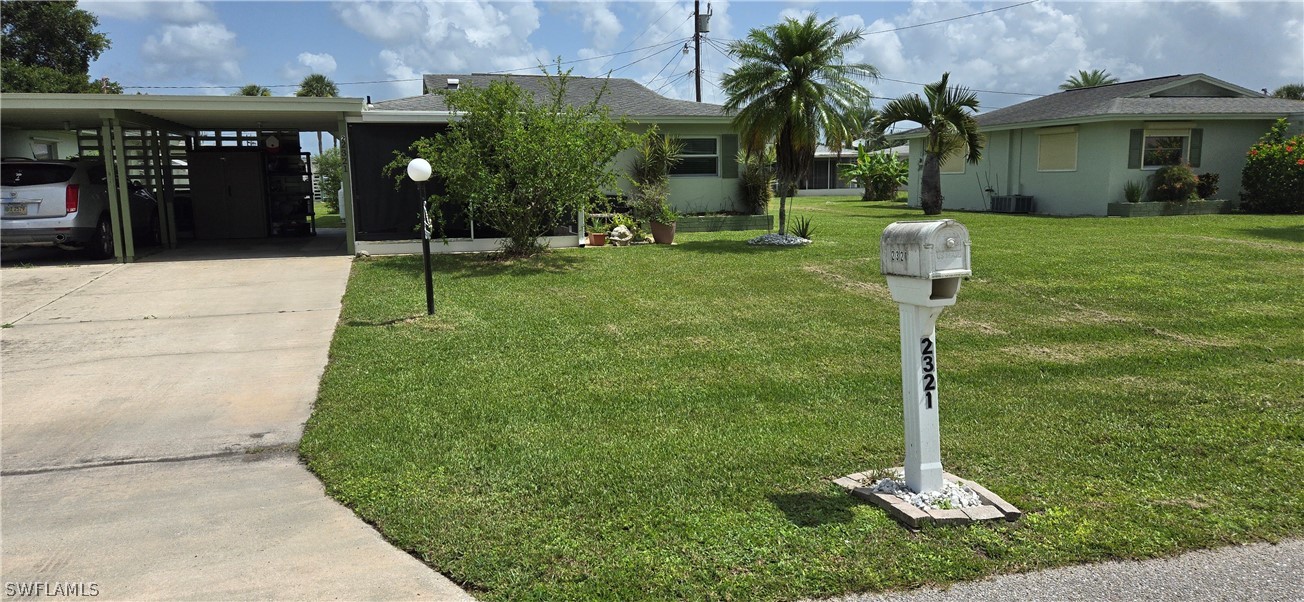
pixel 150 417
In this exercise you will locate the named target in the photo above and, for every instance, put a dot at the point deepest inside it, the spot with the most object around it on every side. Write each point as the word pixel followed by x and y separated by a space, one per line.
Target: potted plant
pixel 663 226
pixel 598 229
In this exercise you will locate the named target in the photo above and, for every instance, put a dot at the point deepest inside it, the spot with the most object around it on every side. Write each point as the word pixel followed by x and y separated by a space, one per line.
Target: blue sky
pixel 1008 54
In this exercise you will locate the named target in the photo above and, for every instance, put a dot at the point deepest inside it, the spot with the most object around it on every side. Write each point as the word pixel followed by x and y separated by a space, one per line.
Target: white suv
pixel 65 204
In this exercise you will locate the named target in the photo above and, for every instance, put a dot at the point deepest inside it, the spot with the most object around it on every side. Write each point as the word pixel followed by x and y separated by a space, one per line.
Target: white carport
pixel 146 127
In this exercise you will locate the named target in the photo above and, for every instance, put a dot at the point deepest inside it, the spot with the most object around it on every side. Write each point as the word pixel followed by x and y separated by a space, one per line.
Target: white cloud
pixel 396 69
pixel 201 51
pixel 453 37
pixel 318 63
pixel 181 12
pixel 601 23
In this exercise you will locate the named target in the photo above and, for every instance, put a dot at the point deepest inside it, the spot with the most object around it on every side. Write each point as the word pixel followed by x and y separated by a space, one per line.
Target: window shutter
pixel 1134 149
pixel 729 156
pixel 1197 140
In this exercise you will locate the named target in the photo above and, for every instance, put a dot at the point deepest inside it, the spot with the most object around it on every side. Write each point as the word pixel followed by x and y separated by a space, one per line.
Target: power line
pixel 592 58
pixel 649 28
pixel 994 10
pixel 663 67
pixel 674 45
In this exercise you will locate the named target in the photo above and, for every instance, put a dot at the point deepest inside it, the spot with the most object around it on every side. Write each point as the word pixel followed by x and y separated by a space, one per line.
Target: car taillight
pixel 70 199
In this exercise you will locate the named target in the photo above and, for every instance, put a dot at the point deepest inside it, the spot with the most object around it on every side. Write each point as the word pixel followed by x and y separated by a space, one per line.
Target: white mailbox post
pixel 923 262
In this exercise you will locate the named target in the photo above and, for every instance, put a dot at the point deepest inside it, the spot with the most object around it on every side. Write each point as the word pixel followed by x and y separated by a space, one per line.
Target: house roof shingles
pixel 626 97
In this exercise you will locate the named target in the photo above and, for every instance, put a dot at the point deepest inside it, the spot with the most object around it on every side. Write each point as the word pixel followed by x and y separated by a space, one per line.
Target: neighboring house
pixel 706 180
pixel 825 178
pixel 1074 151
pixel 38 144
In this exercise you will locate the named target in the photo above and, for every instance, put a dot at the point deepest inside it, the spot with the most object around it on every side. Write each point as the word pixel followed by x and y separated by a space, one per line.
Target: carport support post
pixel 346 203
pixel 107 155
pixel 124 194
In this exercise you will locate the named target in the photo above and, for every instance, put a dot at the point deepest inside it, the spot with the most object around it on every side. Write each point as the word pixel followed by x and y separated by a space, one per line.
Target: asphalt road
pixel 1260 572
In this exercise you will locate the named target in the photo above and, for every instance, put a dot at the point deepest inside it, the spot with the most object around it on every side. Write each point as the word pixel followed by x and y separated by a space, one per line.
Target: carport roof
pixel 70 111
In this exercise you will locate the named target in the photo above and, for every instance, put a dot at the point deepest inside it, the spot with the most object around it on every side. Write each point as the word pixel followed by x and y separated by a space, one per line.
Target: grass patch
pixel 660 422
pixel 326 217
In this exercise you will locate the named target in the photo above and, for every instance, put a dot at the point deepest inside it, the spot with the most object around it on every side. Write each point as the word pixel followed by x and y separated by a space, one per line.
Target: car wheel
pixel 101 246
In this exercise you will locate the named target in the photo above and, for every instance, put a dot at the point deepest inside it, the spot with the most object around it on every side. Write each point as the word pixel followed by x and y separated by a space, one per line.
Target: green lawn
pixel 661 422
pixel 326 217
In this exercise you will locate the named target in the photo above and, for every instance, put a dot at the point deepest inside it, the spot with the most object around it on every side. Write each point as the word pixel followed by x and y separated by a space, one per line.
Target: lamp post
pixel 419 170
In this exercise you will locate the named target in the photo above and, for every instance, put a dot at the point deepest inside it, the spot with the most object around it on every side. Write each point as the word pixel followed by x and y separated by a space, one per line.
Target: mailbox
pixel 924 261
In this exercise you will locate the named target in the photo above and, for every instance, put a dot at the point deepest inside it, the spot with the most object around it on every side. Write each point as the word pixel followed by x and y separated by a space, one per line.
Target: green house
pixel 1071 153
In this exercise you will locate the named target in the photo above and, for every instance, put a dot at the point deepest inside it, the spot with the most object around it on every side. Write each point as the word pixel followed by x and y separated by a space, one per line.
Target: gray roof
pixel 626 97
pixel 1136 98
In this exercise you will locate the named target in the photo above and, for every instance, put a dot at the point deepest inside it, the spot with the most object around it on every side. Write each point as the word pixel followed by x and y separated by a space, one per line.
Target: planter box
pixel 717 223
pixel 1152 209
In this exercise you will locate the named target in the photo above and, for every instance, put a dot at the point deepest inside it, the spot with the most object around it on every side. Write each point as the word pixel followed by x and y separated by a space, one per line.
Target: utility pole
pixel 697 46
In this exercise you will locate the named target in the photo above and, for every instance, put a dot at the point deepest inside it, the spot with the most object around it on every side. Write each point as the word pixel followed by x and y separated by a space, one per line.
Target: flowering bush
pixel 1172 183
pixel 1273 178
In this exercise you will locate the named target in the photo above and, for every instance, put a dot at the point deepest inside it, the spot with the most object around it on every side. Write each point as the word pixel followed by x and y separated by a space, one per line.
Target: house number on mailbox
pixel 929 363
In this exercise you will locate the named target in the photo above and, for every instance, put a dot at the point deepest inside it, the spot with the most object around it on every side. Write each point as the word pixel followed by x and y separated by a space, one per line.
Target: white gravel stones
pixel 779 240
pixel 951 496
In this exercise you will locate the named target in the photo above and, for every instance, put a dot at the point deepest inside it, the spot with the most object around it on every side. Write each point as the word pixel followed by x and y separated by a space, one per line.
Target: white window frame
pixel 1057 132
pixel 52 144
pixel 715 156
pixel 1183 133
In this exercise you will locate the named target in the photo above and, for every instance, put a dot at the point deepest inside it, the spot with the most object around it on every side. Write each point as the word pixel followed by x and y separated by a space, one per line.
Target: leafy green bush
pixel 1206 185
pixel 523 164
pixel 1133 190
pixel 880 173
pixel 1273 178
pixel 1172 183
pixel 330 168
pixel 756 181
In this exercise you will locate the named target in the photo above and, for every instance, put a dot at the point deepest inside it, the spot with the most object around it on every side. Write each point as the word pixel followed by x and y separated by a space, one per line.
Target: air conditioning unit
pixel 1012 203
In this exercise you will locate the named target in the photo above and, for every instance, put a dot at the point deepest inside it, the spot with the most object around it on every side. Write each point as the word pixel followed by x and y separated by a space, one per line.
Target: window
pixel 45 150
pixel 1057 150
pixel 700 157
pixel 1164 147
pixel 955 162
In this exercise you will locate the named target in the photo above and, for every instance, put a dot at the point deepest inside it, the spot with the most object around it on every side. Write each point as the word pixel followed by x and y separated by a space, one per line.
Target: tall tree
pixel 318 85
pixel 947 115
pixel 253 90
pixel 791 86
pixel 1088 79
pixel 1290 91
pixel 48 47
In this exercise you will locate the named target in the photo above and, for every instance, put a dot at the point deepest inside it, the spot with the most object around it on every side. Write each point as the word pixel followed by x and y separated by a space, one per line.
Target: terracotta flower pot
pixel 597 239
pixel 663 234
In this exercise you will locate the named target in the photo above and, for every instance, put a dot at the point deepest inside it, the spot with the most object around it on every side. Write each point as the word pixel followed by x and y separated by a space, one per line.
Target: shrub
pixel 1273 178
pixel 330 168
pixel 1133 190
pixel 522 163
pixel 756 181
pixel 801 227
pixel 650 173
pixel 1206 185
pixel 1172 183
pixel 880 173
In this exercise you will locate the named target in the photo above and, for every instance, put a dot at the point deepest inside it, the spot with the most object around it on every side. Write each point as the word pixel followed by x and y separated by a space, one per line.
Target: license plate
pixel 15 209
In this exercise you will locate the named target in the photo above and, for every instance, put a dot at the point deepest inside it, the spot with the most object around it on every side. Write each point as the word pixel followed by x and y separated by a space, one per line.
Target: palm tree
pixel 1088 79
pixel 320 86
pixel 1290 91
pixel 253 90
pixel 948 116
pixel 792 85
